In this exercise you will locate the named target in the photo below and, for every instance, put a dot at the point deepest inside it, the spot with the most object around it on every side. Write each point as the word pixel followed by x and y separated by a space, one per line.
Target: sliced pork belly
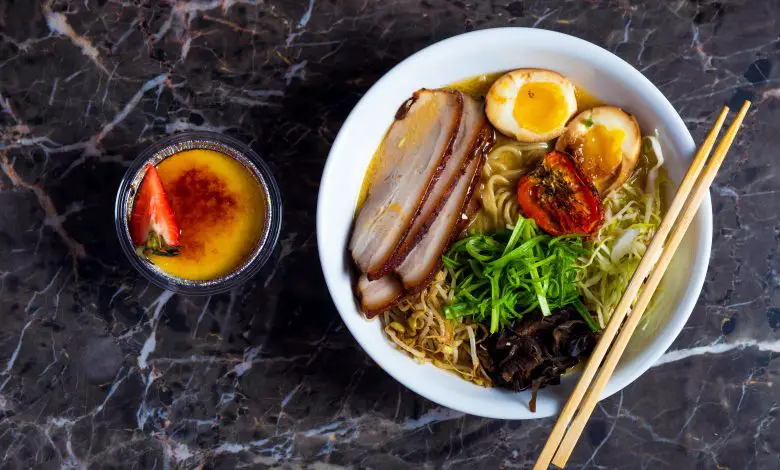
pixel 411 158
pixel 423 261
pixel 464 148
pixel 377 296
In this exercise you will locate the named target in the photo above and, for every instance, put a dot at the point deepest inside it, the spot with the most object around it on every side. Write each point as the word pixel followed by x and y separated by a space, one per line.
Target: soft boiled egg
pixel 531 105
pixel 605 142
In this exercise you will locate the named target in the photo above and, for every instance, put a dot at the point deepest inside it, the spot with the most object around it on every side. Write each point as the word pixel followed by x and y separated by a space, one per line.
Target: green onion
pixel 501 277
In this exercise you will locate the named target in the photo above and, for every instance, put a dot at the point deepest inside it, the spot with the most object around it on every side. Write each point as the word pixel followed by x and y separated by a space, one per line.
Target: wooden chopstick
pixel 690 210
pixel 642 270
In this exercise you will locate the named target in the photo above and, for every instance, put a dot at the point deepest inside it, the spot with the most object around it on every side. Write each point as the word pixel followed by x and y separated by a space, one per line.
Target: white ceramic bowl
pixel 596 70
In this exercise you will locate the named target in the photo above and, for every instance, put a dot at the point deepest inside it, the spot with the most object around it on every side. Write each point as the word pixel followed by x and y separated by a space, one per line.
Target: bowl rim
pixel 645 358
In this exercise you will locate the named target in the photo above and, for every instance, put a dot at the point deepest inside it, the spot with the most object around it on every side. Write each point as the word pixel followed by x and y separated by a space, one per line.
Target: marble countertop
pixel 99 369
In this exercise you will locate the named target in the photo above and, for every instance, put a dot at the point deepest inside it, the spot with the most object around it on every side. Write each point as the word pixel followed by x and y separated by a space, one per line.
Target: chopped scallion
pixel 501 277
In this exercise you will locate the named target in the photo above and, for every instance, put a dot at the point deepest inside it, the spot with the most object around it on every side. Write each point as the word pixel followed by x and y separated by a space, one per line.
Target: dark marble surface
pixel 98 369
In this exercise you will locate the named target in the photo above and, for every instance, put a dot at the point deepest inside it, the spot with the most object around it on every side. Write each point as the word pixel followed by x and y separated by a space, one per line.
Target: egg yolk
pixel 602 150
pixel 540 107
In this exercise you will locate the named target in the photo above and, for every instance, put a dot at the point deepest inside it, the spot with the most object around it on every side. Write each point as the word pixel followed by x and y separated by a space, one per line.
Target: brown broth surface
pixel 479 85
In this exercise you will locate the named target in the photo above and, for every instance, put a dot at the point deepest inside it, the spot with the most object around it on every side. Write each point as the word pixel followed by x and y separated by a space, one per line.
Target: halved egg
pixel 531 105
pixel 605 142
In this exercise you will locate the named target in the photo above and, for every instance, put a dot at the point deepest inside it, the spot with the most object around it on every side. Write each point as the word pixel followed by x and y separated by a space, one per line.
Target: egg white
pixel 500 103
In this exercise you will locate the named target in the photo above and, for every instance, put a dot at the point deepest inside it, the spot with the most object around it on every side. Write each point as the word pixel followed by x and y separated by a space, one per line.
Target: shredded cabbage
pixel 632 214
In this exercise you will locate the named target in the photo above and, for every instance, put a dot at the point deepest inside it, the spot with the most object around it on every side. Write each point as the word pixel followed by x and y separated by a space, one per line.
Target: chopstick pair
pixel 586 393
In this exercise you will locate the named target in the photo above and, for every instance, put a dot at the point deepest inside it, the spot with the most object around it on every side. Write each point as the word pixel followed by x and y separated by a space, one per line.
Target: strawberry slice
pixel 152 223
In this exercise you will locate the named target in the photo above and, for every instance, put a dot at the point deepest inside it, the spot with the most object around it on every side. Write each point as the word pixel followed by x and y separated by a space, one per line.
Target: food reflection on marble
pixel 493 237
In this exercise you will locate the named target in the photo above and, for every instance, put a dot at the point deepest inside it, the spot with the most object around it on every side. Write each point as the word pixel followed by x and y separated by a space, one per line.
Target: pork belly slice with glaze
pixel 422 262
pixel 377 296
pixel 411 158
pixel 382 294
pixel 464 148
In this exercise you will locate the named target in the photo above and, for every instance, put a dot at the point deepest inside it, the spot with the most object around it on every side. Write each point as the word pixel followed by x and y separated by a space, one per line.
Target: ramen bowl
pixel 590 67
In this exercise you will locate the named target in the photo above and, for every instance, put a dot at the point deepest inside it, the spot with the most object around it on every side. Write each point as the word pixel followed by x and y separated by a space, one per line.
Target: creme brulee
pixel 219 206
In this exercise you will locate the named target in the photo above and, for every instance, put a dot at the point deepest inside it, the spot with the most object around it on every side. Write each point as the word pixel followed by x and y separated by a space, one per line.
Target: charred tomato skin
pixel 560 198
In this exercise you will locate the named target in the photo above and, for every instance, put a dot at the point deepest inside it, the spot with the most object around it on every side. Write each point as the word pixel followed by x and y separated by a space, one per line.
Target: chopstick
pixel 690 210
pixel 641 272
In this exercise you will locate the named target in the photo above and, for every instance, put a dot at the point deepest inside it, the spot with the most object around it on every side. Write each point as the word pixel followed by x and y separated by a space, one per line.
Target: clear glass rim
pixel 212 141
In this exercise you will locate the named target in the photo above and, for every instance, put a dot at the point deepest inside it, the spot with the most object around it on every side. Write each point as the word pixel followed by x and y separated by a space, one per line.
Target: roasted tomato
pixel 559 197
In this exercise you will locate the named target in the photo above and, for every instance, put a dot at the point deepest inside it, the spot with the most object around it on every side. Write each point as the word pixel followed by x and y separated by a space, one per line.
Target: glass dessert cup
pixel 255 251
